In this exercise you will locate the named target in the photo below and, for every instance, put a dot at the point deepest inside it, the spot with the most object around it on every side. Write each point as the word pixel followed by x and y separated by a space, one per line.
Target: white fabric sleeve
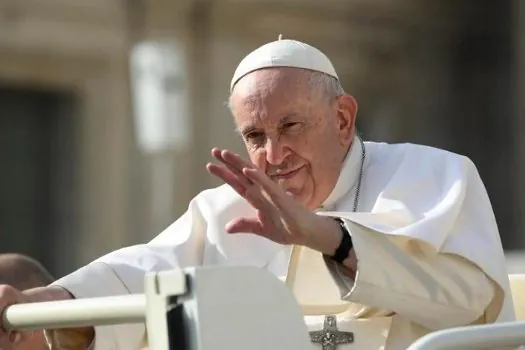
pixel 104 283
pixel 410 279
pixel 122 272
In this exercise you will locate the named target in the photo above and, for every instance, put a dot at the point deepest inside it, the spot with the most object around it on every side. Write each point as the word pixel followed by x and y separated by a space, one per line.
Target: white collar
pixel 348 177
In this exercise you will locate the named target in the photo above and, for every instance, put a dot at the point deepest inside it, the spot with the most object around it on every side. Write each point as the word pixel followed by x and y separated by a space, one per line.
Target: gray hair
pixel 319 82
pixel 325 84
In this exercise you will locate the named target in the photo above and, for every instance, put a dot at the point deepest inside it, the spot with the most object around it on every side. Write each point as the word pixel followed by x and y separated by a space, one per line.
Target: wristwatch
pixel 345 246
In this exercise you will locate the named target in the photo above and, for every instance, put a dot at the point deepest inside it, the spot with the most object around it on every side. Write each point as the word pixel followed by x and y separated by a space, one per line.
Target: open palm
pixel 279 217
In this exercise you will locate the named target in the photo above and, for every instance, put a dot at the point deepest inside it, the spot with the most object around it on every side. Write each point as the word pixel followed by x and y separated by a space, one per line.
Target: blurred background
pixel 108 108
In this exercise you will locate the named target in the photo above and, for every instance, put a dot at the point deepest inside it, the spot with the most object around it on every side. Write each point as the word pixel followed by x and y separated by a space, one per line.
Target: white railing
pixel 246 287
pixel 192 299
pixel 510 334
pixel 132 309
pixel 76 313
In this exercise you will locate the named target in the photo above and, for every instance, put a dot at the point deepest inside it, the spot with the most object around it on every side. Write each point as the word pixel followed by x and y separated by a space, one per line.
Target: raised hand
pixel 279 217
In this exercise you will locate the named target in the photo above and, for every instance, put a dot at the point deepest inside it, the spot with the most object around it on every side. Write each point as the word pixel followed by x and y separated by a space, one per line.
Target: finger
pixel 235 160
pixel 228 177
pixel 277 195
pixel 14 337
pixel 216 153
pixel 231 164
pixel 254 197
pixel 244 225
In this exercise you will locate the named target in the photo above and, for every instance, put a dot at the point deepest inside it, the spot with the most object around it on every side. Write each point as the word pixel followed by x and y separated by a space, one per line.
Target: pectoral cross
pixel 330 337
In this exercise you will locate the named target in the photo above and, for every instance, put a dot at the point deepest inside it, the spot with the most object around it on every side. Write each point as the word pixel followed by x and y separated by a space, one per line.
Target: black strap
pixel 346 245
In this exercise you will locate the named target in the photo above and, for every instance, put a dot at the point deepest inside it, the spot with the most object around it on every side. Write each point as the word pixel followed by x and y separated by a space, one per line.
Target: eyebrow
pixel 243 130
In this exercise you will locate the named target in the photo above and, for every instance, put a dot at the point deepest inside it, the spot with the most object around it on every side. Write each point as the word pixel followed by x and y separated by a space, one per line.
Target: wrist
pixel 327 236
pixel 345 247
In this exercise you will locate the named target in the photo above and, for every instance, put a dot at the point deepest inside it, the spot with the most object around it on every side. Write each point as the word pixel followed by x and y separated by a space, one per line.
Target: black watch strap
pixel 346 245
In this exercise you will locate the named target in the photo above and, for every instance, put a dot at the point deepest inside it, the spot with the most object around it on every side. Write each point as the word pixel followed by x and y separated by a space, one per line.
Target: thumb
pixel 244 225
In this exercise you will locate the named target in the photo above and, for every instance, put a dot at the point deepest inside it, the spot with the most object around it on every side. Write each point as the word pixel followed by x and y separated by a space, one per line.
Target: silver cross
pixel 330 337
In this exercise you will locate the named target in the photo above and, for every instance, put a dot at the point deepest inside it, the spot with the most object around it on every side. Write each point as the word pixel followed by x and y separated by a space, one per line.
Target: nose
pixel 276 151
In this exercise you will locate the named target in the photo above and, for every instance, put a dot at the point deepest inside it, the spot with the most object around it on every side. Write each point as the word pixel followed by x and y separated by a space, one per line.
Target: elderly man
pixel 387 241
pixel 24 272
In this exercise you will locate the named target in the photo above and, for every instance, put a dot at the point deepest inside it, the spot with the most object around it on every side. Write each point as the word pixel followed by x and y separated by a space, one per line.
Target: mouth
pixel 285 174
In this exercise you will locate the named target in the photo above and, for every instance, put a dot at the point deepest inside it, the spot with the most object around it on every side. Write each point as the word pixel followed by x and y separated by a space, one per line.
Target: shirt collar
pixel 347 177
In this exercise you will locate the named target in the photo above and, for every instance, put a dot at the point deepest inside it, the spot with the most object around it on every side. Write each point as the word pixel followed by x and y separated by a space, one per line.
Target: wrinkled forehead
pixel 271 90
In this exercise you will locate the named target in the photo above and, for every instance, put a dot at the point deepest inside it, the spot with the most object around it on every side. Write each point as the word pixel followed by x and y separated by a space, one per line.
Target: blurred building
pixel 74 182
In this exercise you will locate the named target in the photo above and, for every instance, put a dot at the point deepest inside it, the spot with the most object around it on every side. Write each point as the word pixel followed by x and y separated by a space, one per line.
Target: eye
pixel 254 136
pixel 292 126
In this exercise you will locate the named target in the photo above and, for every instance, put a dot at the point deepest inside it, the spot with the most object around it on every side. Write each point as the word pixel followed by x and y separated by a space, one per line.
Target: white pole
pixel 76 313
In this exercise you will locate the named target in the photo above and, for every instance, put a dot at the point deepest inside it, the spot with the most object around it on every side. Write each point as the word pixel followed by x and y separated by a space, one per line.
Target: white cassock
pixel 429 253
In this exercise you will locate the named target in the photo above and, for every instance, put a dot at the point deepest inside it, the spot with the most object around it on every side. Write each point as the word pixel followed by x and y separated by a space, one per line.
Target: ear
pixel 346 114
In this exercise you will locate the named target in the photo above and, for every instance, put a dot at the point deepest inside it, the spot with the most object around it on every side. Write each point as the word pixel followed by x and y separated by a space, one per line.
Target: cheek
pixel 310 150
pixel 322 153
